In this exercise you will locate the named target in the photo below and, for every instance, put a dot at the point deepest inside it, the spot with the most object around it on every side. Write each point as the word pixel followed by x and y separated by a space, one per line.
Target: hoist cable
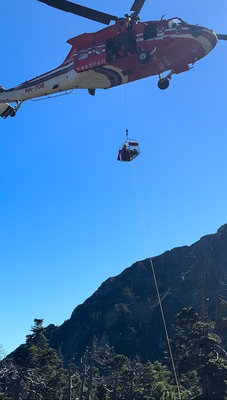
pixel 155 281
pixel 126 107
pixel 126 112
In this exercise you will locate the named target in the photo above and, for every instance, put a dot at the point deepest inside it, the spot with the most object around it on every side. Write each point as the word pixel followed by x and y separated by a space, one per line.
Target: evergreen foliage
pixel 196 349
pixel 36 372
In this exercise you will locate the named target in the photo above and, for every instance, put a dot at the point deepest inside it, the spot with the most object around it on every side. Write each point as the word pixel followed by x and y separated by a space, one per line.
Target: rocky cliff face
pixel 124 312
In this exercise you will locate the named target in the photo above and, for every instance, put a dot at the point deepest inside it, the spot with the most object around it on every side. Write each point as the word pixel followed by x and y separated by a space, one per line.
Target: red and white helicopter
pixel 123 52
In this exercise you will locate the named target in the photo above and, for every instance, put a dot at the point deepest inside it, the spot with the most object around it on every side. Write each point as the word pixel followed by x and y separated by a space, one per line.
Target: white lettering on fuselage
pixel 90 65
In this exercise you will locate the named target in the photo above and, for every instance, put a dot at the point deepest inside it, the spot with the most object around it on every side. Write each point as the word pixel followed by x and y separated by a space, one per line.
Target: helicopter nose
pixel 211 38
pixel 206 37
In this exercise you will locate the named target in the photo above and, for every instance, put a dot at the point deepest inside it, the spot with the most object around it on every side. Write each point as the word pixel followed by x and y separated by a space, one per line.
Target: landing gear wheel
pixel 13 113
pixel 163 84
pixel 143 57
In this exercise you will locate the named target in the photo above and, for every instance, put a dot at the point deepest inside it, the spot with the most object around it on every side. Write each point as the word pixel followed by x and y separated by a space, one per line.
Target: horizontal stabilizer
pixel 6 110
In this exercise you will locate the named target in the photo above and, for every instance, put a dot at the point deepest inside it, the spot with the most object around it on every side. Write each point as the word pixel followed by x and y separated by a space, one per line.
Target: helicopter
pixel 123 52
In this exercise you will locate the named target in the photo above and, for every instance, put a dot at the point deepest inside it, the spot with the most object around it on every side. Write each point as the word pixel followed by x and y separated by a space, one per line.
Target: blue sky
pixel 68 210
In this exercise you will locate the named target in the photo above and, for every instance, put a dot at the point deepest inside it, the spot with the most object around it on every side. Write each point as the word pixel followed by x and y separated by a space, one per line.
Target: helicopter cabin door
pixel 120 47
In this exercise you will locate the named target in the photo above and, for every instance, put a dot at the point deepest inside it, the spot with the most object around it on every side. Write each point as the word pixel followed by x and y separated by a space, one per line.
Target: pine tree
pixel 157 382
pixel 196 352
pixel 35 371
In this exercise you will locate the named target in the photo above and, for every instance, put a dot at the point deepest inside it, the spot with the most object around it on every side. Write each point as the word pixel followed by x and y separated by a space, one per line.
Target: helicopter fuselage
pixel 119 54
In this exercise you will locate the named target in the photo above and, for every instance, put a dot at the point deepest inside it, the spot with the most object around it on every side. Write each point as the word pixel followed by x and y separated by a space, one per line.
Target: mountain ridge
pixel 124 311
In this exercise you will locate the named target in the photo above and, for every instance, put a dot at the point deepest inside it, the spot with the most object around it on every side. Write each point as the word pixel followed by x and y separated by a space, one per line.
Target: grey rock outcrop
pixel 124 312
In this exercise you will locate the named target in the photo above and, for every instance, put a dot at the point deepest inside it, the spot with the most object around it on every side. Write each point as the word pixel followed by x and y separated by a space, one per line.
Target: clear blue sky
pixel 68 210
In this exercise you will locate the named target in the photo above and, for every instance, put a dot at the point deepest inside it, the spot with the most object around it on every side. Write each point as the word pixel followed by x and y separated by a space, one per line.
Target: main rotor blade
pixel 221 37
pixel 85 12
pixel 137 5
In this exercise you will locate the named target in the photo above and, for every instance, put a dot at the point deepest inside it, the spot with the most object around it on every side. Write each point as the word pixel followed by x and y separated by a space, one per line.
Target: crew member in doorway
pixel 126 154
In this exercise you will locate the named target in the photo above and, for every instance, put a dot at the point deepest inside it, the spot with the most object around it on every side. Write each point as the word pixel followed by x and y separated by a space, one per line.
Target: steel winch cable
pixel 155 281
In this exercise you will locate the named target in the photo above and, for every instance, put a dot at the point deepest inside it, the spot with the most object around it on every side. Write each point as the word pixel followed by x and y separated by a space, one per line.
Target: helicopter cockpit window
pixel 120 46
pixel 150 31
pixel 173 23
